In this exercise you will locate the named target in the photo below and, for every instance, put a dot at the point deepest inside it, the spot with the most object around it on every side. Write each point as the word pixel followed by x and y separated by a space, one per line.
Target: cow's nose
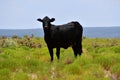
pixel 46 27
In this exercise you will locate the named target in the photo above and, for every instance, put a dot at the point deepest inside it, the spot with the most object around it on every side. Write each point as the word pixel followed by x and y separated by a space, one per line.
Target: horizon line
pixel 42 28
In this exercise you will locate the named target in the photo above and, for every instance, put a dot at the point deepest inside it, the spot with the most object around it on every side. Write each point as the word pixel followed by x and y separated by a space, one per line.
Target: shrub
pixel 112 42
pixel 4 37
pixel 8 42
pixel 15 36
pixel 28 41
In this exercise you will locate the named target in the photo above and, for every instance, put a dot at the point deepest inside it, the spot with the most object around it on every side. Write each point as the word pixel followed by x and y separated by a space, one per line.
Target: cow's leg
pixel 79 48
pixel 51 53
pixel 75 50
pixel 58 52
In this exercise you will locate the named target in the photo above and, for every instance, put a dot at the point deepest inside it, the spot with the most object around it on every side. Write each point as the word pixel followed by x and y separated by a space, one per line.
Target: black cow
pixel 62 36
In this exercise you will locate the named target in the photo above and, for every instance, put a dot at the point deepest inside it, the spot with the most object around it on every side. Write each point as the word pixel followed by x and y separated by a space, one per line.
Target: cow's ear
pixel 53 19
pixel 40 20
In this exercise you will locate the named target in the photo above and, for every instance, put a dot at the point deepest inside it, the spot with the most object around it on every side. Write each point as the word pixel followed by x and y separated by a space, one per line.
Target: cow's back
pixel 65 35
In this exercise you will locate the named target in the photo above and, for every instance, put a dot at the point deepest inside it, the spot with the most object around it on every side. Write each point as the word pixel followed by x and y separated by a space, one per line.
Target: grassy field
pixel 27 58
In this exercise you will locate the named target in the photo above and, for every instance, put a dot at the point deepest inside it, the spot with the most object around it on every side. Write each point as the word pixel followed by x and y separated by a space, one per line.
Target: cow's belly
pixel 63 44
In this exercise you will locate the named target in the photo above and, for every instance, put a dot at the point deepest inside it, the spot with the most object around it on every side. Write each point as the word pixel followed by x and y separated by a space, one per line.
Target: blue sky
pixel 22 14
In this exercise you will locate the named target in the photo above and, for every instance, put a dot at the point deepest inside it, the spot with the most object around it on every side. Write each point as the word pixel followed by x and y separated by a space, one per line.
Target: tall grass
pixel 21 61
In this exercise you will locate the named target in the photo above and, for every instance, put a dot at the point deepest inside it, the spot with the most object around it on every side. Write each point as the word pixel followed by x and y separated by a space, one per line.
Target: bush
pixel 8 42
pixel 15 37
pixel 28 41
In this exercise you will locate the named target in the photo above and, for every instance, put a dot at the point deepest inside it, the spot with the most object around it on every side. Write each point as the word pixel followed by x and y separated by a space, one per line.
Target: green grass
pixel 28 59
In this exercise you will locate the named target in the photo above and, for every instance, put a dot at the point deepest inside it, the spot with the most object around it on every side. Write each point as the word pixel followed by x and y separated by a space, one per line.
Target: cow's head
pixel 46 22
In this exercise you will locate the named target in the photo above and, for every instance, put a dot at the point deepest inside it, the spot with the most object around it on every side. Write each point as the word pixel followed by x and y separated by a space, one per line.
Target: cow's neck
pixel 47 34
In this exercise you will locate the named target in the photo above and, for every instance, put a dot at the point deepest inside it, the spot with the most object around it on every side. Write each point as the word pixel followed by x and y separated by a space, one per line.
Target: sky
pixel 23 14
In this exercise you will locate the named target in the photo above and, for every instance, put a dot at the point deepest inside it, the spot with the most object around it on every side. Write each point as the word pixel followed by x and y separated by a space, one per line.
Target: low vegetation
pixel 27 58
